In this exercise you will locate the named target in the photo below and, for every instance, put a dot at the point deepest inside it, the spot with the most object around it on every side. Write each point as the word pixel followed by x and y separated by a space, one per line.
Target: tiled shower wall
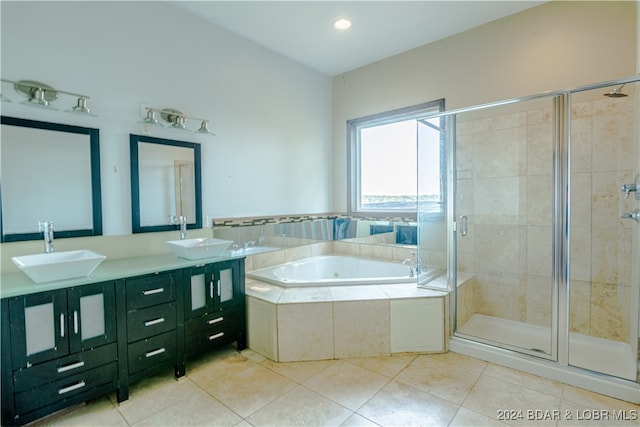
pixel 505 188
pixel 604 144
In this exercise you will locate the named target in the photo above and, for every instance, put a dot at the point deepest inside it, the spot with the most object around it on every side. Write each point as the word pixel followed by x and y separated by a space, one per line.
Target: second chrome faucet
pixel 182 221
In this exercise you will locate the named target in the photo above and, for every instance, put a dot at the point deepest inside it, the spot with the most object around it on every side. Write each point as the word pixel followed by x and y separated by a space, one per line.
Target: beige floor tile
pixel 199 410
pixel 300 406
pixel 99 412
pixel 347 384
pixel 460 360
pixel 387 366
pixel 466 417
pixel 398 404
pixel 491 396
pixel 594 400
pixel 250 390
pixel 298 371
pixel 439 377
pixel 356 420
pixel 217 366
pixel 533 382
pixel 574 414
pixel 256 357
pixel 155 394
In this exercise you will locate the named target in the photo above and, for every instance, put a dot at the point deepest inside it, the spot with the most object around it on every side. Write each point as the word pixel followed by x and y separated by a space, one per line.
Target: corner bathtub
pixel 337 270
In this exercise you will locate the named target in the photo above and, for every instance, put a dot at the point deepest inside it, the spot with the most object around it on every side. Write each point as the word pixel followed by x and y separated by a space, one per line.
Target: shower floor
pixel 596 354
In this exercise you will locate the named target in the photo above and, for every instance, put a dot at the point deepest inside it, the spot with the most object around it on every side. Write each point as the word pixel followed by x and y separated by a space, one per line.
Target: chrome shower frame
pixel 557 367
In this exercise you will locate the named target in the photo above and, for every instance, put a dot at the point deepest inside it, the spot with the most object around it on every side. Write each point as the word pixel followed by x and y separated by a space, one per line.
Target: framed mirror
pixel 165 183
pixel 49 171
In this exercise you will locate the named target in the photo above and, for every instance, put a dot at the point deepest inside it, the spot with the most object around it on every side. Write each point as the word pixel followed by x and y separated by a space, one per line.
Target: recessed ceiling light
pixel 342 24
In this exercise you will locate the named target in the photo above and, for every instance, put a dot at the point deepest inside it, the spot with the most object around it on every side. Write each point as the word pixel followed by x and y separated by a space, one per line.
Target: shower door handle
pixel 463 226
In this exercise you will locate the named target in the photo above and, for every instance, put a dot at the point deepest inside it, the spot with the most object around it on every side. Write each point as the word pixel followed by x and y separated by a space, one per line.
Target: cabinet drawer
pixel 210 322
pixel 152 351
pixel 209 339
pixel 150 290
pixel 151 321
pixel 35 376
pixel 47 394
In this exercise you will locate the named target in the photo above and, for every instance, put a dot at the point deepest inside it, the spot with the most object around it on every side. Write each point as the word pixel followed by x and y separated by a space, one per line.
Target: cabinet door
pixel 39 327
pixel 228 284
pixel 199 291
pixel 92 316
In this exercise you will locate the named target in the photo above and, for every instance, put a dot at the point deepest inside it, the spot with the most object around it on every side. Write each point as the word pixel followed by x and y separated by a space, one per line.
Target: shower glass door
pixel 604 230
pixel 505 173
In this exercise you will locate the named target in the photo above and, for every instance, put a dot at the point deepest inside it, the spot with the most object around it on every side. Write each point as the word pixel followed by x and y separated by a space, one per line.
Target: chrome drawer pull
pixel 70 367
pixel 72 387
pixel 154 321
pixel 216 320
pixel 218 335
pixel 155 352
pixel 153 291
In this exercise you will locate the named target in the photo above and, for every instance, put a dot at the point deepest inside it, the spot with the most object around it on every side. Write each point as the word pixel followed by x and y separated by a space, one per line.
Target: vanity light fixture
pixel 41 95
pixel 175 119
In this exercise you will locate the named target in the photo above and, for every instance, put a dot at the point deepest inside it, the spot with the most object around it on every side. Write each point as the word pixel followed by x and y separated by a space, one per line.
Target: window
pixel 384 153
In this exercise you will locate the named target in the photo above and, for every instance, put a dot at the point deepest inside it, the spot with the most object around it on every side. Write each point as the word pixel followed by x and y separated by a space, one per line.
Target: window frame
pixel 414 112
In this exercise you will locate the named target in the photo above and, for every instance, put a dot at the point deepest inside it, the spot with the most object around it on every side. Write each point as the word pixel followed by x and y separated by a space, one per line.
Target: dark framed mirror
pixel 165 183
pixel 49 171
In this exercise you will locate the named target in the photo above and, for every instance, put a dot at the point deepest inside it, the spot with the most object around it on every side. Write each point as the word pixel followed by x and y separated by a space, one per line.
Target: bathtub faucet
pixel 412 266
pixel 419 262
pixel 416 265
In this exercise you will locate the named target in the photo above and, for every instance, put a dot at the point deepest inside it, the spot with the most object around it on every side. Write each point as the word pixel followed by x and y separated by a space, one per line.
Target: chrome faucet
pixel 46 227
pixel 415 265
pixel 412 266
pixel 249 244
pixel 182 221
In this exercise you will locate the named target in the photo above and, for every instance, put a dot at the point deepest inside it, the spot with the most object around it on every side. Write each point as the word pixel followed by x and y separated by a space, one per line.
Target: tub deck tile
pixel 357 293
pixel 302 295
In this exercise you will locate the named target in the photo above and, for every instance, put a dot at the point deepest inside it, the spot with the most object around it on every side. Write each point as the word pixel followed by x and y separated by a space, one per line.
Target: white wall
pixel 272 116
pixel 557 45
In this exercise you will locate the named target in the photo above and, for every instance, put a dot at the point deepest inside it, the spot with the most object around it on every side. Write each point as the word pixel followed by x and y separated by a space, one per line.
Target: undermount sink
pixel 49 267
pixel 205 247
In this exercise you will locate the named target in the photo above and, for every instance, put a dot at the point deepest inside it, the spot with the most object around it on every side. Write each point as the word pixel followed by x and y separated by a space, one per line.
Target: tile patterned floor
pixel 232 389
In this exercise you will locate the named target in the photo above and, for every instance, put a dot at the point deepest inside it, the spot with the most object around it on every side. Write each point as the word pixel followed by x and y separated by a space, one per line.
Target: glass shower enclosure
pixel 542 196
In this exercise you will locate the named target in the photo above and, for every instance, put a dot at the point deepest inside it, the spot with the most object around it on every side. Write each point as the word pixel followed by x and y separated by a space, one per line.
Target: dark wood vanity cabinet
pixel 60 349
pixel 67 346
pixel 214 306
pixel 152 326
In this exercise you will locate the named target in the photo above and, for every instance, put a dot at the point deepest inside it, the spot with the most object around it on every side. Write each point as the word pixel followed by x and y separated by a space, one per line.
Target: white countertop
pixel 16 284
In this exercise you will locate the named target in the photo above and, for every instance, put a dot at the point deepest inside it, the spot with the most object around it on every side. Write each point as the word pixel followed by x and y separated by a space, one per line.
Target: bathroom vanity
pixel 70 341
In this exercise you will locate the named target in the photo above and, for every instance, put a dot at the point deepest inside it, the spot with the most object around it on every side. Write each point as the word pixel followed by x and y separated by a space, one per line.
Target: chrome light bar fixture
pixel 175 120
pixel 41 95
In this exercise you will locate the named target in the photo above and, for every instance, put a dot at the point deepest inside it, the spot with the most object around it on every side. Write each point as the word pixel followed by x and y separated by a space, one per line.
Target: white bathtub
pixel 335 270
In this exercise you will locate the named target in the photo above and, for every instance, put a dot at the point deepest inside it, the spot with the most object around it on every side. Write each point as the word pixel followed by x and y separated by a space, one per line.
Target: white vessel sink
pixel 199 248
pixel 58 265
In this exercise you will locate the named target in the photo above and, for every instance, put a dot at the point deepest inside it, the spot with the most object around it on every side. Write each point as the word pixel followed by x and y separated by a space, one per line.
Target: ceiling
pixel 303 30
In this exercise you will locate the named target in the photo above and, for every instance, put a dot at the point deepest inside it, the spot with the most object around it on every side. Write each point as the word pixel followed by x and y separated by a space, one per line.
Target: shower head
pixel 616 93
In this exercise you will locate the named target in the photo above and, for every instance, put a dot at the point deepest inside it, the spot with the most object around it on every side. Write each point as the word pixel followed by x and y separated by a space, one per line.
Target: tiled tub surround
pixel 300 324
pixel 317 323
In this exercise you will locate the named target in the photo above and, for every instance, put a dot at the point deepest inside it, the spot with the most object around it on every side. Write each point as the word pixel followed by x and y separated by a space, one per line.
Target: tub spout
pixel 412 266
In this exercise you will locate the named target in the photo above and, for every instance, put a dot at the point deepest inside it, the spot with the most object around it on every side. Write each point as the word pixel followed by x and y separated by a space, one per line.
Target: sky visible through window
pixel 389 167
